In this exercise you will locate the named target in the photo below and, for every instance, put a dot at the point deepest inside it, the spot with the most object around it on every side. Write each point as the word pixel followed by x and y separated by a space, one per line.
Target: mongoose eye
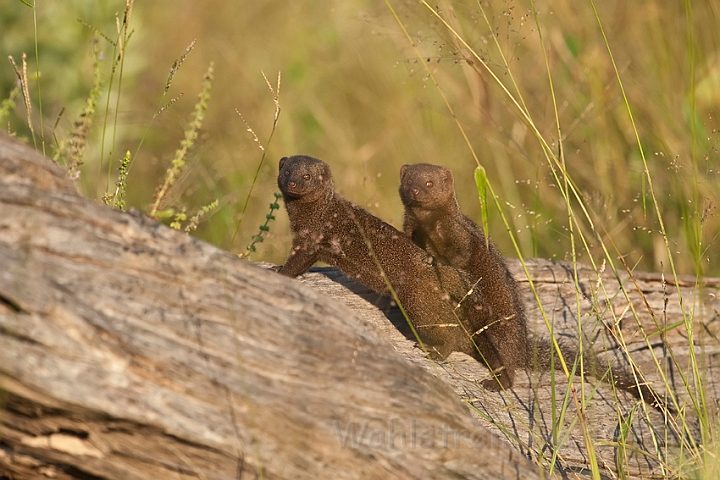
pixel 429 184
pixel 409 181
pixel 306 176
pixel 287 172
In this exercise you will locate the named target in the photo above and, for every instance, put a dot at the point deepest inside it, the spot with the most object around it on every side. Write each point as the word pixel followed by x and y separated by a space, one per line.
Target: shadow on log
pixel 130 350
pixel 524 415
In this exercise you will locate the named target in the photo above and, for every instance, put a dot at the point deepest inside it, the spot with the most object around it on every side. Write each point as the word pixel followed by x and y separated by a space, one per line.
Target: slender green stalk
pixel 569 190
pixel 589 443
pixel 106 114
pixel 37 69
pixel 688 319
pixel 276 98
pixel 123 40
pixel 123 35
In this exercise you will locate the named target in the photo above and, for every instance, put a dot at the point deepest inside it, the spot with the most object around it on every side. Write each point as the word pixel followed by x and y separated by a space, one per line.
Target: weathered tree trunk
pixel 523 416
pixel 129 350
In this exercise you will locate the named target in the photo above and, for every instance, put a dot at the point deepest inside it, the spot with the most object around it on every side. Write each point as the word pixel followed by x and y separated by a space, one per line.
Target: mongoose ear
pixel 403 169
pixel 449 177
pixel 326 175
pixel 282 162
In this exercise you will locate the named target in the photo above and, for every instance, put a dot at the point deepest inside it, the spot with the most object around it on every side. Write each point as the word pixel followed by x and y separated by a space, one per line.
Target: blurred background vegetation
pixel 358 94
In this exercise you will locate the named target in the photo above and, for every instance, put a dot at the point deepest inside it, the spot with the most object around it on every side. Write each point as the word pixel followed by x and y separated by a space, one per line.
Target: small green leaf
pixel 165 213
pixel 573 45
pixel 481 185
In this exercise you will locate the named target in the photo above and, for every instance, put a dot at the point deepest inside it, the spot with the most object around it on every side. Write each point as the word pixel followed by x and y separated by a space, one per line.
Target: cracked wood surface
pixel 128 350
pixel 523 415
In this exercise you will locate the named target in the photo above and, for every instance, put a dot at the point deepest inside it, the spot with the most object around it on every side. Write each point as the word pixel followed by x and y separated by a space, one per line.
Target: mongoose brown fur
pixel 434 222
pixel 333 230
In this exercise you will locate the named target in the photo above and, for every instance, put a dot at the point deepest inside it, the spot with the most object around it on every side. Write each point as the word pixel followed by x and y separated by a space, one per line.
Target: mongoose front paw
pixel 432 353
pixel 500 381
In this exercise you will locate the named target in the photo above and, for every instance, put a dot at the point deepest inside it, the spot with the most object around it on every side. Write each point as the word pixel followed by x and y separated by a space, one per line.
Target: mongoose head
pixel 304 179
pixel 426 186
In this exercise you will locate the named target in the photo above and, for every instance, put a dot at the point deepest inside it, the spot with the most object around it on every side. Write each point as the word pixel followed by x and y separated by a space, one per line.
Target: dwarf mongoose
pixel 330 229
pixel 433 221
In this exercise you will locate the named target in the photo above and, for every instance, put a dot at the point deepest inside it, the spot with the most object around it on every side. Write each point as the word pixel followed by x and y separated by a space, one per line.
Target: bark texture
pixel 130 350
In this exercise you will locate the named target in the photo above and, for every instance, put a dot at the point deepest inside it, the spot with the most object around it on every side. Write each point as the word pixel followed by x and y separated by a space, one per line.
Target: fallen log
pixel 130 350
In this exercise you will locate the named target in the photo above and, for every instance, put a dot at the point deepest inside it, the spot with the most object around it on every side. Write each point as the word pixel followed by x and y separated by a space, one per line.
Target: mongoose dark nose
pixel 415 191
pixel 292 184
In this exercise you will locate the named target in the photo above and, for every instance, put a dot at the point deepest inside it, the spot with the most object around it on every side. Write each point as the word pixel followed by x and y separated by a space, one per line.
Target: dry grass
pixel 595 126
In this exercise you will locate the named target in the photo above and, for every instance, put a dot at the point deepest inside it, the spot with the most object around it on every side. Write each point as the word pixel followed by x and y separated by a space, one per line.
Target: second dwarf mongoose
pixel 433 221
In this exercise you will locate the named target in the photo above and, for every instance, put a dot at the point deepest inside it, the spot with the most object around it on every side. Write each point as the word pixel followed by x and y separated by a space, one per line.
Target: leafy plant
pixel 178 162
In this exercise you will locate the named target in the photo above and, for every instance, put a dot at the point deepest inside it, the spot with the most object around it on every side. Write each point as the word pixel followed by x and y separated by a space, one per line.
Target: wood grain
pixel 130 350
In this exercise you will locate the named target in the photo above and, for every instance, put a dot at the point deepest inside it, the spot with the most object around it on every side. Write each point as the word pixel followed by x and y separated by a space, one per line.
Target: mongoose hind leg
pixel 501 367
